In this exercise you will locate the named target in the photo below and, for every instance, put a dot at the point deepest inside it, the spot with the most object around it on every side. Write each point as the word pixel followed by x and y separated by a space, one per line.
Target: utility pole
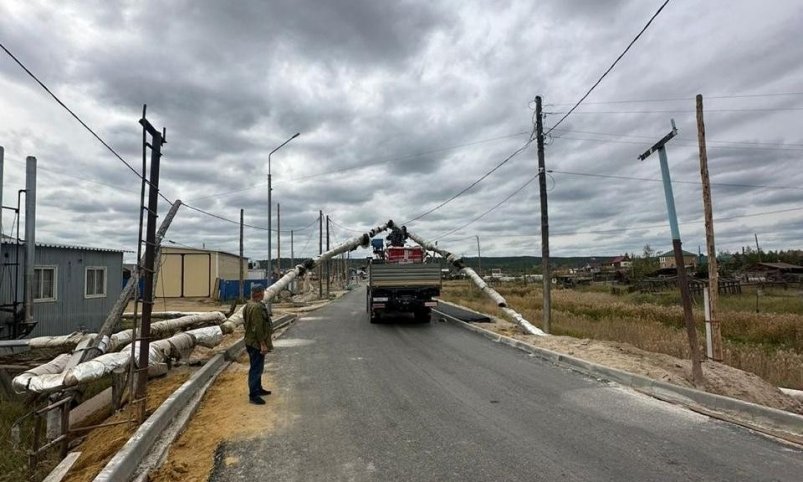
pixel 758 248
pixel 242 275
pixel 292 262
pixel 539 128
pixel 328 264
pixel 157 140
pixel 320 251
pixel 279 238
pixel 683 284
pixel 479 255
pixel 269 266
pixel 269 271
pixel 714 335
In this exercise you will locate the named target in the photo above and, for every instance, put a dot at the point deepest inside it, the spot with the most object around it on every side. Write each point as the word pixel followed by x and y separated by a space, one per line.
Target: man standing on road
pixel 258 342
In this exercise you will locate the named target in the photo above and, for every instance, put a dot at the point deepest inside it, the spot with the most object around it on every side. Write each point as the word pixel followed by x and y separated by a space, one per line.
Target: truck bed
pixel 404 275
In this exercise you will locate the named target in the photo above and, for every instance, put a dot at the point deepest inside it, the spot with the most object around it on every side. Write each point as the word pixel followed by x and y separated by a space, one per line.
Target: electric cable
pixel 567 114
pixel 411 156
pixel 346 228
pixel 642 227
pixel 105 144
pixel 684 111
pixel 489 210
pixel 41 84
pixel 683 99
pixel 683 142
pixel 708 141
pixel 674 181
pixel 452 198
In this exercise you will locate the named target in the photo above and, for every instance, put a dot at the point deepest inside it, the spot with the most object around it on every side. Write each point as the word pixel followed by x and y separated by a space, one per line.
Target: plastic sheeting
pixel 457 262
pixel 49 377
pixel 161 328
pixel 69 341
pixel 96 368
pixel 232 322
pixel 41 377
pixel 209 336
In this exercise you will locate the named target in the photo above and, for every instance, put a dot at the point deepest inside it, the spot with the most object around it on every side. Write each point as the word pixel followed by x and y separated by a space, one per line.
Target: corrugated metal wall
pixel 71 311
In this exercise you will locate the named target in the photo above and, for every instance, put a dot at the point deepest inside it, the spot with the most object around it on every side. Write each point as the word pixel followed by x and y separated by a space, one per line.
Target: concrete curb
pixel 124 465
pixel 758 416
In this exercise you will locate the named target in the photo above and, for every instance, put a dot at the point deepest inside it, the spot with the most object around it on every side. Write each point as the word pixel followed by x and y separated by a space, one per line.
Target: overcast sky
pixel 400 106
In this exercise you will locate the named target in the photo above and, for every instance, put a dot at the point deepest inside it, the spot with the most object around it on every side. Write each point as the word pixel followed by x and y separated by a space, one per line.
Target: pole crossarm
pixel 500 301
pixel 660 144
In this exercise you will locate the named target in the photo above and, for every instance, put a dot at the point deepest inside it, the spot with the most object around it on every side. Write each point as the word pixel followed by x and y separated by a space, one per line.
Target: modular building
pixel 74 287
pixel 195 273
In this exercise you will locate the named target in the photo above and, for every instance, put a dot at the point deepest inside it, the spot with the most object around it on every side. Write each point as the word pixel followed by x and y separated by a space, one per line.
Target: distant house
pixel 620 262
pixel 74 287
pixel 592 267
pixel 773 272
pixel 194 273
pixel 667 260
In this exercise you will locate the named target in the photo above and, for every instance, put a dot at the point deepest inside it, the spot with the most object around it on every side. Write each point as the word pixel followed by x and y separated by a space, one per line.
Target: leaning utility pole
pixel 758 248
pixel 714 336
pixel 479 255
pixel 320 251
pixel 242 282
pixel 539 129
pixel 328 264
pixel 157 140
pixel 660 146
pixel 292 262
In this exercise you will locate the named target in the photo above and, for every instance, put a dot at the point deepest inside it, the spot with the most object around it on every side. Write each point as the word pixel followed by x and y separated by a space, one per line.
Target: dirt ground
pixel 224 407
pixel 103 443
pixel 719 378
pixel 184 305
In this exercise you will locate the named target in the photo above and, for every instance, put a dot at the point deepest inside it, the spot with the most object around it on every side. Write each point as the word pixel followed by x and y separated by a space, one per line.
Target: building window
pixel 45 283
pixel 95 282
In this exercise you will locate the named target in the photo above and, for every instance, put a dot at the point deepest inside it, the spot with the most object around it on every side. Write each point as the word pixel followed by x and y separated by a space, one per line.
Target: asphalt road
pixel 407 401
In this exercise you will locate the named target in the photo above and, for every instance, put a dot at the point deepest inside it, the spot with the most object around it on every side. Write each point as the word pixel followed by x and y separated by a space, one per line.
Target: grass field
pixel 768 343
pixel 14 459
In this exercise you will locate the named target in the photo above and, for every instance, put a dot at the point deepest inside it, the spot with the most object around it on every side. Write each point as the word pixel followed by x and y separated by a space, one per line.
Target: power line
pixel 232 221
pixel 769 109
pixel 225 193
pixel 631 228
pixel 490 210
pixel 674 181
pixel 41 84
pixel 678 99
pixel 367 164
pixel 105 144
pixel 504 161
pixel 776 144
pixel 412 156
pixel 610 68
pixel 332 221
pixel 791 147
pixel 641 227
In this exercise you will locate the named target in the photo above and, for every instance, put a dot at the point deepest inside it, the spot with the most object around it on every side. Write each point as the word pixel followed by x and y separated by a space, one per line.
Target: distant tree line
pixel 730 263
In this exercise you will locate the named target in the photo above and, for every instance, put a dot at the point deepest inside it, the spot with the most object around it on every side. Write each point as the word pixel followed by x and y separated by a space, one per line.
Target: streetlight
pixel 269 271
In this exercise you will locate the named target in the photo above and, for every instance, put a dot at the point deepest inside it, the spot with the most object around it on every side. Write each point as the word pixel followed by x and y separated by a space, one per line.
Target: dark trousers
pixel 255 371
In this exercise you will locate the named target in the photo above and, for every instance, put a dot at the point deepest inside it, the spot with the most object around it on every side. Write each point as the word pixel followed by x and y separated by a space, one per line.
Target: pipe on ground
pixel 457 262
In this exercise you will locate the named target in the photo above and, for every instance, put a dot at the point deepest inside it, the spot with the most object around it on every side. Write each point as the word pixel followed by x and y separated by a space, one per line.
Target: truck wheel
pixel 423 315
pixel 374 317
